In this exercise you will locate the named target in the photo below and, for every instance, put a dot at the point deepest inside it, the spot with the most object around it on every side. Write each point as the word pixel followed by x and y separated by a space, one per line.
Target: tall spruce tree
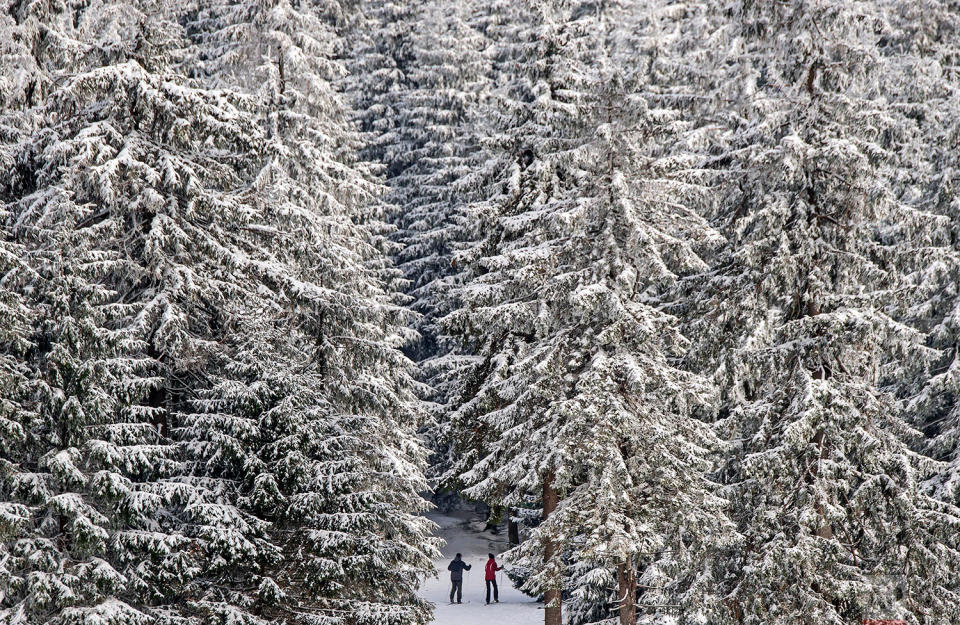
pixel 921 45
pixel 586 230
pixel 429 157
pixel 795 318
pixel 110 202
pixel 329 399
pixel 381 57
pixel 446 79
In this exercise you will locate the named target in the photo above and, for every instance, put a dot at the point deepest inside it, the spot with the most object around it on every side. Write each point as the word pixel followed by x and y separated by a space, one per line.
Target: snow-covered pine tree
pixel 320 378
pixel 496 149
pixel 446 79
pixel 507 392
pixel 579 395
pixel 126 203
pixel 17 446
pixel 82 479
pixel 82 470
pixel 924 85
pixel 16 94
pixel 429 181
pixel 380 56
pixel 338 473
pixel 794 318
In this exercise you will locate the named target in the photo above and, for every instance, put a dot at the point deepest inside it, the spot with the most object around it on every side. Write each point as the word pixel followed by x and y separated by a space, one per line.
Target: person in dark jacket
pixel 456 569
pixel 490 576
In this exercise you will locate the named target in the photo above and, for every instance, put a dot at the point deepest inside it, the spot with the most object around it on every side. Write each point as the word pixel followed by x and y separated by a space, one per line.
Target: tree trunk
pixel 627 585
pixel 62 537
pixel 553 611
pixel 158 399
pixel 513 530
pixel 494 519
pixel 826 530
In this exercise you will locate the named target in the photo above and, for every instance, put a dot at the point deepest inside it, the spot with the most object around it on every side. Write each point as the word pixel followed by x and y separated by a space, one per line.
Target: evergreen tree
pixel 327 402
pixel 436 136
pixel 795 320
pixel 924 85
pixel 429 159
pixel 381 57
pixel 579 371
pixel 126 203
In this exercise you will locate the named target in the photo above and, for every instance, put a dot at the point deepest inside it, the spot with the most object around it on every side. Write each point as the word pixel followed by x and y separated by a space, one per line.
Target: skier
pixel 491 578
pixel 456 569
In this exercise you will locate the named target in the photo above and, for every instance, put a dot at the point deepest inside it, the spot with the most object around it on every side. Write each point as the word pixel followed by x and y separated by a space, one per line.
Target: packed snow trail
pixel 515 608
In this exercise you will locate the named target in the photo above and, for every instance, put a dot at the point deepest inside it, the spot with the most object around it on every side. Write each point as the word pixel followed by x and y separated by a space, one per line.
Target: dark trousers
pixel 496 596
pixel 457 588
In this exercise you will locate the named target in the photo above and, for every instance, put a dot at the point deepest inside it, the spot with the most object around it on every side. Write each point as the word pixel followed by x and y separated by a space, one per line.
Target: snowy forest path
pixel 515 608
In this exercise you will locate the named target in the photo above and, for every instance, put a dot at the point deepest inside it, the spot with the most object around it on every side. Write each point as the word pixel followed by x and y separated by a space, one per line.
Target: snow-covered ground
pixel 514 608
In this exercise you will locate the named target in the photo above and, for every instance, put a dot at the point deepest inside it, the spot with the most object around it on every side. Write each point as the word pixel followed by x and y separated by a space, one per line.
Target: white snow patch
pixel 515 608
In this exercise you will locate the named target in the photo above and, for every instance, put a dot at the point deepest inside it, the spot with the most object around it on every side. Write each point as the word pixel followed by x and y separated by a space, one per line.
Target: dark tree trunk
pixel 494 519
pixel 553 610
pixel 627 585
pixel 158 399
pixel 513 530
pixel 825 530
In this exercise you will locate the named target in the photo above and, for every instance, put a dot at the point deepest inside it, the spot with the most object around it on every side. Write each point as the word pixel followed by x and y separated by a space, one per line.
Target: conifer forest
pixel 669 288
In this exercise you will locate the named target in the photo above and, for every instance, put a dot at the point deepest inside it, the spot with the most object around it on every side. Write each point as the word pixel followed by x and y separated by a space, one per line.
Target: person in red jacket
pixel 490 576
